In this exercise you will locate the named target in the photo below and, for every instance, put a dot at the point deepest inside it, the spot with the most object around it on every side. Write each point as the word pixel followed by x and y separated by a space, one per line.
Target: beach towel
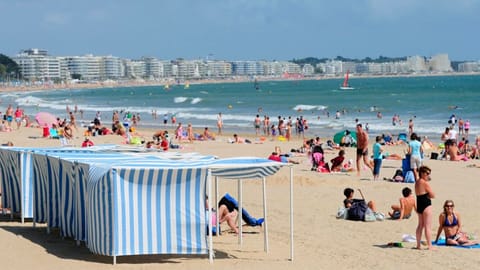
pixel 245 215
pixel 441 242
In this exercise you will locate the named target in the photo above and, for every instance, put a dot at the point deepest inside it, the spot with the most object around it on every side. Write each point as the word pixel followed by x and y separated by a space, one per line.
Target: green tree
pixel 11 67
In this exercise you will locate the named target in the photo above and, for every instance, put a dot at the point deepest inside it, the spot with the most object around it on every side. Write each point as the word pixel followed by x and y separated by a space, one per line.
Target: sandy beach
pixel 321 241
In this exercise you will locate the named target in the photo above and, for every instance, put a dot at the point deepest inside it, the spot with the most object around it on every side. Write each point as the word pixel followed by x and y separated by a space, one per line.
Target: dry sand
pixel 321 240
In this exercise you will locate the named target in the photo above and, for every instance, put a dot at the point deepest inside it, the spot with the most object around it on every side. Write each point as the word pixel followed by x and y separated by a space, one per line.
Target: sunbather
pixel 407 204
pixel 451 224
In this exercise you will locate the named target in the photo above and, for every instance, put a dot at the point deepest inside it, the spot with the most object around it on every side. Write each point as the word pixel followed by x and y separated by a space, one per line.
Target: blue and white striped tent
pixel 131 204
pixel 16 177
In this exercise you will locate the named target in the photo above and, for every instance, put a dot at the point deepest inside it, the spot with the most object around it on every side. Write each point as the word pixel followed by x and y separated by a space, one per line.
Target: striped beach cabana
pixel 128 203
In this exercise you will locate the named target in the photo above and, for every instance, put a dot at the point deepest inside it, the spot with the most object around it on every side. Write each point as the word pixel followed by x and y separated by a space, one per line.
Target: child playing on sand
pixel 407 204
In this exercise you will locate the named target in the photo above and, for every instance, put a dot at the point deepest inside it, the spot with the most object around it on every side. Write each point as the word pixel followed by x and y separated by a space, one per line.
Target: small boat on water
pixel 345 85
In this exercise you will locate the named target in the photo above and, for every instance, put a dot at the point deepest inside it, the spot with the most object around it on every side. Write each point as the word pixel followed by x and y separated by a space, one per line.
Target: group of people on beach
pixel 14 119
pixel 449 220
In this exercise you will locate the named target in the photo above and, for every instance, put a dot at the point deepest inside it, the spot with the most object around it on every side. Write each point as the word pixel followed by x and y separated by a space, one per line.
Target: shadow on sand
pixel 66 248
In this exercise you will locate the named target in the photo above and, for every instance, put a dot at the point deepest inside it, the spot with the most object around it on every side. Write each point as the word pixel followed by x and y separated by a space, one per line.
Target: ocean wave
pixel 179 99
pixel 195 100
pixel 303 107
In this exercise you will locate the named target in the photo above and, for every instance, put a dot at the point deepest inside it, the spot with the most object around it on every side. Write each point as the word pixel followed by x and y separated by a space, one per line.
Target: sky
pixel 243 29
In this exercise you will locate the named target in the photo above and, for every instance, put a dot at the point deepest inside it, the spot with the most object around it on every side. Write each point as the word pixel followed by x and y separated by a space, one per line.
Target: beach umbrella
pixel 45 118
pixel 337 138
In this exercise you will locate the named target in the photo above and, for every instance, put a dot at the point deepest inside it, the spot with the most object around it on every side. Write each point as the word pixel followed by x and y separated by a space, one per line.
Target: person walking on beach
pixel 415 150
pixel 424 194
pixel 466 127
pixel 18 117
pixel 256 123
pixel 219 123
pixel 362 148
pixel 377 158
pixel 410 126
pixel 266 125
pixel 9 116
pixel 73 122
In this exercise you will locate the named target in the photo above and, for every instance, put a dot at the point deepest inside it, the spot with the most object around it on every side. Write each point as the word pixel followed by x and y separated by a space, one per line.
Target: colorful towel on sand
pixel 441 242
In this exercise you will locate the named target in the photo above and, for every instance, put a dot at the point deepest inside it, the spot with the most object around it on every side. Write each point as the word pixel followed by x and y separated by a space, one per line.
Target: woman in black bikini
pixel 450 222
pixel 424 205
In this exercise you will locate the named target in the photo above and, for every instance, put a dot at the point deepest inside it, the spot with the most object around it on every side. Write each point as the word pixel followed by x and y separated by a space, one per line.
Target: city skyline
pixel 243 30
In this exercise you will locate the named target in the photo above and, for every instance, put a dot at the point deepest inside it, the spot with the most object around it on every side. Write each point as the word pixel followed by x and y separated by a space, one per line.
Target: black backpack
pixel 357 210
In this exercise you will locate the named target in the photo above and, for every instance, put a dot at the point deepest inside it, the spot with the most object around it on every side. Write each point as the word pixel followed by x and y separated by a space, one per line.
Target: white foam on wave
pixel 303 107
pixel 179 99
pixel 195 100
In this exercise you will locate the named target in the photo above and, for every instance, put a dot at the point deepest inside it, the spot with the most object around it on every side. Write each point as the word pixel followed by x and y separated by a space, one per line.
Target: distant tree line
pixel 8 68
pixel 314 61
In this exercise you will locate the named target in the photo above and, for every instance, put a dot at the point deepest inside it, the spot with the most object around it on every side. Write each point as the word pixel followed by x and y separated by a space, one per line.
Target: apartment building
pixel 37 65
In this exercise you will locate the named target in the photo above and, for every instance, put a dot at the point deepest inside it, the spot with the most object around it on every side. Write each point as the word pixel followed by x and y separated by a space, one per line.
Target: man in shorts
pixel 362 148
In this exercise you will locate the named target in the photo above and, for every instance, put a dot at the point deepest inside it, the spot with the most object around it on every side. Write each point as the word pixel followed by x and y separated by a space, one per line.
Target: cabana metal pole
pixel 114 217
pixel 216 207
pixel 210 223
pixel 22 196
pixel 239 217
pixel 265 222
pixel 291 213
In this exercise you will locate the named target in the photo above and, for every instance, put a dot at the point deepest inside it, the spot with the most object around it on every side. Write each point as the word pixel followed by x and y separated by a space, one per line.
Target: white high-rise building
pixel 111 68
pixel 469 67
pixel 440 63
pixel 417 63
pixel 36 64
pixel 86 67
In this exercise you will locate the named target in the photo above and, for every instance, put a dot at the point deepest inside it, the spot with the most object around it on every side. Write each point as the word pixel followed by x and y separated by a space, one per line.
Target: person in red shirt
pixel 87 142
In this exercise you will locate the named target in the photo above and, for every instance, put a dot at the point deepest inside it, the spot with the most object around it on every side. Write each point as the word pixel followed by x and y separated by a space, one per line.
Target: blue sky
pixel 243 29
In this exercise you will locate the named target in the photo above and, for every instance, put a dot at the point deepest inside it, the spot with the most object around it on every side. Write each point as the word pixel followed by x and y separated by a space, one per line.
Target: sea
pixel 428 100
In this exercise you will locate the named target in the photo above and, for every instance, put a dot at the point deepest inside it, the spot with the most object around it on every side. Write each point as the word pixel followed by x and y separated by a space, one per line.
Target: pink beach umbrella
pixel 45 118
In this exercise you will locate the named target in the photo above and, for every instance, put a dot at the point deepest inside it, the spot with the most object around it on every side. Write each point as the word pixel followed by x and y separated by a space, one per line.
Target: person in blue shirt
pixel 415 150
pixel 377 158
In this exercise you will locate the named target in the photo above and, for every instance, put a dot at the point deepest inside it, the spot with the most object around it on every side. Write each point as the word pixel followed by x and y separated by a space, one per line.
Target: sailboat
pixel 345 85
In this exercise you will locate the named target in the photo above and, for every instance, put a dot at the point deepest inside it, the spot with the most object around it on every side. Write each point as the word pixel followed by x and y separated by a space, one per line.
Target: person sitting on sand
pixel 337 162
pixel 349 200
pixel 453 152
pixel 4 127
pixel 120 129
pixel 208 135
pixel 427 144
pixel 87 142
pixel 388 139
pixel 451 224
pixel 407 204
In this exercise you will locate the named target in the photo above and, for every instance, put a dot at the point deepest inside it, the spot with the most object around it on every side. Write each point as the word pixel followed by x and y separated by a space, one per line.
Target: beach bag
pixel 342 213
pixel 357 210
pixel 370 215
pixel 433 155
pixel 398 176
pixel 409 177
pixel 406 163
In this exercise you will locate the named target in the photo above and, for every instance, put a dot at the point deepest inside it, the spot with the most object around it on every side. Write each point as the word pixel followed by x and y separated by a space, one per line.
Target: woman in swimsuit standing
pixel 450 222
pixel 424 205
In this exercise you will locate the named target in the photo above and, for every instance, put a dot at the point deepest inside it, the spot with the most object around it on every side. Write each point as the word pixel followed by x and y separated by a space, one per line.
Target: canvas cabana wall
pixel 124 203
